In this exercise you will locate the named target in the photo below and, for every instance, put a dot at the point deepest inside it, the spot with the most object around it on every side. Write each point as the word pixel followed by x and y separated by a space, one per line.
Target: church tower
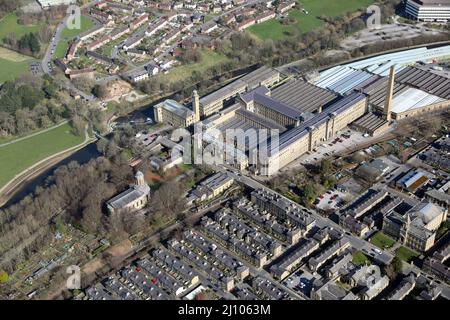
pixel 140 179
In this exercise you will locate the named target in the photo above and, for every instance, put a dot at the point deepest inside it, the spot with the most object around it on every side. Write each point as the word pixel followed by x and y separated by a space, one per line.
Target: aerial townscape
pixel 224 150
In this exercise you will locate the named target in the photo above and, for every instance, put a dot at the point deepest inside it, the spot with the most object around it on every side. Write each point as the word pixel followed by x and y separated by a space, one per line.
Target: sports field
pixel 20 155
pixel 9 25
pixel 68 34
pixel 275 30
pixel 12 64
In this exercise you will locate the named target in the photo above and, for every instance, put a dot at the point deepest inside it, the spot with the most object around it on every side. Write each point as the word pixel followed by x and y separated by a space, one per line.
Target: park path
pixel 33 134
pixel 9 188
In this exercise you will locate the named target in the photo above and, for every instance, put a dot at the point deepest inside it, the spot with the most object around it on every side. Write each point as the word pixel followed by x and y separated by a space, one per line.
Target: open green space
pixel 67 36
pixel 381 240
pixel 360 258
pixel 20 155
pixel 209 59
pixel 11 70
pixel 9 25
pixel 275 30
pixel 406 254
pixel 12 64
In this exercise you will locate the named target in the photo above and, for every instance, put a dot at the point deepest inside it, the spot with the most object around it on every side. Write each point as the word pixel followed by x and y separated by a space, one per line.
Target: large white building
pixel 51 3
pixel 428 10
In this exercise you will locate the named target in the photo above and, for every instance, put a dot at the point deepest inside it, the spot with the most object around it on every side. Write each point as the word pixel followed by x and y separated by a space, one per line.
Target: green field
pixel 12 64
pixel 68 34
pixel 381 240
pixel 406 254
pixel 9 25
pixel 273 29
pixel 18 156
pixel 209 59
pixel 11 70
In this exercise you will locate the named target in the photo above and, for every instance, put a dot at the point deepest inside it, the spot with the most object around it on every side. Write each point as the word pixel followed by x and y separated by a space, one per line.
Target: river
pixel 82 156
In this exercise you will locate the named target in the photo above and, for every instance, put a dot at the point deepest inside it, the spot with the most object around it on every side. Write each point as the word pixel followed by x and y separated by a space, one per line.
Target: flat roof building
pixel 428 10
pixel 51 3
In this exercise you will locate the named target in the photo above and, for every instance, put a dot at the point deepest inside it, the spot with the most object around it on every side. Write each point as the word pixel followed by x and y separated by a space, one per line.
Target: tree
pixel 325 167
pixel 29 42
pixel 191 56
pixel 3 276
pixel 394 268
pixel 78 125
pixel 100 91
pixel 84 84
pixel 168 199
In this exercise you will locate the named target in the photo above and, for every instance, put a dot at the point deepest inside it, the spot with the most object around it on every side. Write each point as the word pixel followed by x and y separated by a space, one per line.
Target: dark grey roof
pixel 255 78
pixel 98 56
pixel 249 96
pixel 289 137
pixel 426 81
pixel 277 106
pixel 303 96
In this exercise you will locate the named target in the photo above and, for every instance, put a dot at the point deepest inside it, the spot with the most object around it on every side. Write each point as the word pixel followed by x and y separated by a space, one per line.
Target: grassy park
pixel 9 25
pixel 20 155
pixel 68 34
pixel 12 64
pixel 275 30
pixel 381 240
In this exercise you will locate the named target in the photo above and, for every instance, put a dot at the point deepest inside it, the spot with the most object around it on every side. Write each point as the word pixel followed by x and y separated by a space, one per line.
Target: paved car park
pixel 330 200
pixel 345 140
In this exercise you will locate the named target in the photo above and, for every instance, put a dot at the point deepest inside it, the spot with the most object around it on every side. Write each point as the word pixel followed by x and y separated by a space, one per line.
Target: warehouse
pixel 426 81
pixel 342 79
pixel 371 124
pixel 295 142
pixel 215 101
pixel 381 64
pixel 303 96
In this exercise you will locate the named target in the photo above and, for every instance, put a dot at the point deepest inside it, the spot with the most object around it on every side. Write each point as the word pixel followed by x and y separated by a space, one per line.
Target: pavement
pixel 330 148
